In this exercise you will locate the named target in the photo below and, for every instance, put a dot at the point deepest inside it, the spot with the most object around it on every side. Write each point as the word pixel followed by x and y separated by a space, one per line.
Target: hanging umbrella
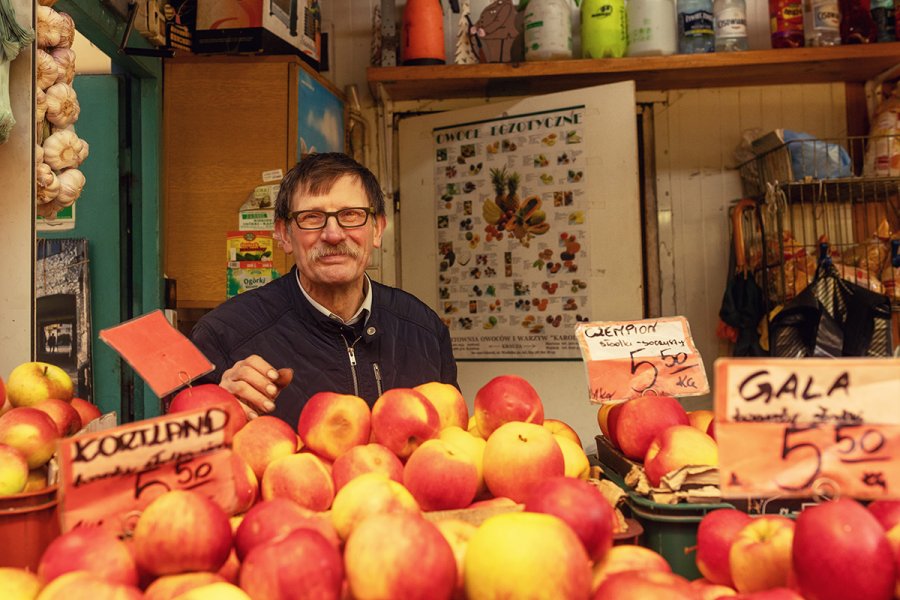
pixel 743 303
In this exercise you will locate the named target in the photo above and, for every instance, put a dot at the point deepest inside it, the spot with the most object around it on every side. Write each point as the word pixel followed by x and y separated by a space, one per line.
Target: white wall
pixel 17 210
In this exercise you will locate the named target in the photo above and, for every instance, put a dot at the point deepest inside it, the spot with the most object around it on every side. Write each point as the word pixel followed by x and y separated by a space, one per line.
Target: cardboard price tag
pixel 625 359
pixel 791 428
pixel 109 477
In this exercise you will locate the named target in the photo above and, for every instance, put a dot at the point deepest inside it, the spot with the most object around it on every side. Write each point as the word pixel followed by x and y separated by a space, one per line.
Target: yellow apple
pixel 473 445
pixel 37 480
pixel 219 590
pixel 491 572
pixel 84 585
pixel 33 382
pixel 676 447
pixel 303 478
pixel 562 428
pixel 264 439
pixel 171 586
pixel 13 471
pixel 700 419
pixel 646 584
pixel 18 584
pixel 366 495
pixel 457 533
pixel 715 535
pixel 576 461
pixel 760 555
pixel 30 431
pixel 448 401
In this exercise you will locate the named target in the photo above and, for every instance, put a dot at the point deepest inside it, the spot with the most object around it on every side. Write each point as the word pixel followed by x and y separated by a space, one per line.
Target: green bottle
pixel 604 30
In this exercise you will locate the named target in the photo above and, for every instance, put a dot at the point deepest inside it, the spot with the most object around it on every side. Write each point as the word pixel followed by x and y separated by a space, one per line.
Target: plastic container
pixel 548 30
pixel 786 23
pixel 821 23
pixel 696 27
pixel 604 32
pixel 731 25
pixel 28 523
pixel 423 33
pixel 857 26
pixel 883 15
pixel 652 28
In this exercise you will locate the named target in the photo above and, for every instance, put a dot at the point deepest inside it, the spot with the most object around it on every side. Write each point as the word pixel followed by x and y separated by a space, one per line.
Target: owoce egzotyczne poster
pixel 511 227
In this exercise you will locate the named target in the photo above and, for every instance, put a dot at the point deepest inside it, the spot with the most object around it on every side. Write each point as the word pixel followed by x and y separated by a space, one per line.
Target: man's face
pixel 333 256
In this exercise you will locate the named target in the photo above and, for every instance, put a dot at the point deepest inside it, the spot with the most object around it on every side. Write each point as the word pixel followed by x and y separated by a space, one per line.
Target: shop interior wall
pixel 16 217
pixel 696 132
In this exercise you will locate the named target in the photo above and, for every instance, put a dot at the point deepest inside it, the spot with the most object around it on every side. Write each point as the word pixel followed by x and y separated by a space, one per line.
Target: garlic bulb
pixel 63 150
pixel 49 27
pixel 62 105
pixel 48 210
pixel 65 61
pixel 38 155
pixel 47 183
pixel 46 70
pixel 71 182
pixel 83 151
pixel 67 31
pixel 40 104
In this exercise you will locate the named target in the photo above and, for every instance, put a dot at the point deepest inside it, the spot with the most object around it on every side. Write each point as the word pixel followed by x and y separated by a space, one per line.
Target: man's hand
pixel 256 384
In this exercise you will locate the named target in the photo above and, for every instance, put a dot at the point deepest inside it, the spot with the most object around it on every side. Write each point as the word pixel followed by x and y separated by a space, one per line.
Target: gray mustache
pixel 342 249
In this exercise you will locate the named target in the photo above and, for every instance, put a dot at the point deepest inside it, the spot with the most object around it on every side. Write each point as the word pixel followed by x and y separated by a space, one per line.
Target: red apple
pixel 303 565
pixel 13 471
pixel 399 555
pixel 840 551
pixel 402 419
pixel 303 478
pixel 330 424
pixel 30 431
pixel 676 447
pixel 19 584
pixel 506 398
pixel 33 382
pixel 246 485
pixel 2 394
pixel 643 418
pixel 440 476
pixel 779 593
pixel 715 534
pixel 87 411
pixel 367 495
pixel 603 414
pixel 168 587
pixel 182 531
pixel 272 519
pixel 627 557
pixel 708 590
pixel 581 506
pixel 760 555
pixel 448 402
pixel 365 459
pixel 64 415
pixel 532 538
pixel 649 584
pixel 518 456
pixel 85 585
pixel 93 549
pixel 886 511
pixel 264 439
pixel 206 395
pixel 471 444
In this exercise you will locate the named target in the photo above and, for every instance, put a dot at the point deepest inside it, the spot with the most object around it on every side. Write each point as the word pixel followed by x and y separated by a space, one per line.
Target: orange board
pixel 626 359
pixel 795 428
pixel 108 477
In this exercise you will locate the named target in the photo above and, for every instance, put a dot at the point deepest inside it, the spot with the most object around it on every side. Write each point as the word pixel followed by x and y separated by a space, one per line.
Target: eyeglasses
pixel 348 218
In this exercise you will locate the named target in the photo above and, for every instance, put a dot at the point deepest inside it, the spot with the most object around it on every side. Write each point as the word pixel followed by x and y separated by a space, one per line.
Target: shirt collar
pixel 362 313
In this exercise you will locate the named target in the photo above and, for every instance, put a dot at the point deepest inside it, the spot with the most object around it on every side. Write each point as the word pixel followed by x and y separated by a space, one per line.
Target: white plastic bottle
pixel 548 30
pixel 821 23
pixel 731 25
pixel 652 27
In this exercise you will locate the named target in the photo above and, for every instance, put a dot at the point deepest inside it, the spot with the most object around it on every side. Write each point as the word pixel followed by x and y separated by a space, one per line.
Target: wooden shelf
pixel 856 63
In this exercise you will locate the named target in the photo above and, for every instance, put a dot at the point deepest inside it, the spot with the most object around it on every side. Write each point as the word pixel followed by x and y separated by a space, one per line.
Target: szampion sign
pixel 512 222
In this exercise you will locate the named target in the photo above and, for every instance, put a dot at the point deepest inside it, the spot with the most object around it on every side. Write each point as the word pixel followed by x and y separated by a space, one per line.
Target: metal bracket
pixel 123 49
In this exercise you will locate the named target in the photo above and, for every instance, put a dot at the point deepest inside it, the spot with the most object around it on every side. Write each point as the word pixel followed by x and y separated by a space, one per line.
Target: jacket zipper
pixel 352 356
pixel 377 370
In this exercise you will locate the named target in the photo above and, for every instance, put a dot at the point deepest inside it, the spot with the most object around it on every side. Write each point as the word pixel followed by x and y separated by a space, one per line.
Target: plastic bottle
pixel 786 23
pixel 883 15
pixel 731 25
pixel 652 27
pixel 857 26
pixel 548 30
pixel 822 22
pixel 423 33
pixel 695 27
pixel 604 33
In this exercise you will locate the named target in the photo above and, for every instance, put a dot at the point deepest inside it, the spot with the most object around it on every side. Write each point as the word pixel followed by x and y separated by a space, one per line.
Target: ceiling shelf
pixel 856 63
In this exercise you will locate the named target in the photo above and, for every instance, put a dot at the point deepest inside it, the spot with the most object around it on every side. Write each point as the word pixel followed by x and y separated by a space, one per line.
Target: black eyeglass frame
pixel 368 210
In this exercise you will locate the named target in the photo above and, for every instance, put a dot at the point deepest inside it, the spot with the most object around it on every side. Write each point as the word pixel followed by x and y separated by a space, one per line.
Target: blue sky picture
pixel 320 117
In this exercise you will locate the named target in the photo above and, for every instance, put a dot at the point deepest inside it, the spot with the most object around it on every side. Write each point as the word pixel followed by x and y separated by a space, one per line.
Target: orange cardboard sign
pixel 625 359
pixel 108 477
pixel 162 355
pixel 792 428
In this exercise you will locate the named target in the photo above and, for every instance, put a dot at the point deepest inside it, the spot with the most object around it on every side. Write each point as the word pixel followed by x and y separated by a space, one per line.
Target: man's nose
pixel 332 229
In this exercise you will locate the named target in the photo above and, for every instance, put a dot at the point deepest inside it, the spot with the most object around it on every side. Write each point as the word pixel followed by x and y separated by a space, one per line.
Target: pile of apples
pixel 362 503
pixel 835 550
pixel 656 431
pixel 36 410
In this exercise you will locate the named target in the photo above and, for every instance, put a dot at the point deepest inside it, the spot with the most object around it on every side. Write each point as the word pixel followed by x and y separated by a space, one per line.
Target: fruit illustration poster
pixel 511 222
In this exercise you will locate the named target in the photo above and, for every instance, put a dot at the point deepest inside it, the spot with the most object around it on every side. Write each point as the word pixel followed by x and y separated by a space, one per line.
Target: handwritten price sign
pixel 109 477
pixel 626 359
pixel 786 427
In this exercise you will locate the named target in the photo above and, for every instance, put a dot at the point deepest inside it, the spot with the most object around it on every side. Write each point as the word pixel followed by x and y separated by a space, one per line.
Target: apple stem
pixel 46 368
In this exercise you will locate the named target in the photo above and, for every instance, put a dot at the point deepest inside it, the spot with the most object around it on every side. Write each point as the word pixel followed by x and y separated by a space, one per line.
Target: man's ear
pixel 380 225
pixel 283 236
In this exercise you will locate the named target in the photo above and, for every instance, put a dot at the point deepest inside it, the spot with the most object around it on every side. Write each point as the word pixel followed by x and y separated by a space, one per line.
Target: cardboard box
pixel 259 26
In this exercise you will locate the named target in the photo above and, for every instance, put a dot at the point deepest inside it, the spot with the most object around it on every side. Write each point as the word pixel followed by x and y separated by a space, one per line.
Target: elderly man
pixel 325 326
